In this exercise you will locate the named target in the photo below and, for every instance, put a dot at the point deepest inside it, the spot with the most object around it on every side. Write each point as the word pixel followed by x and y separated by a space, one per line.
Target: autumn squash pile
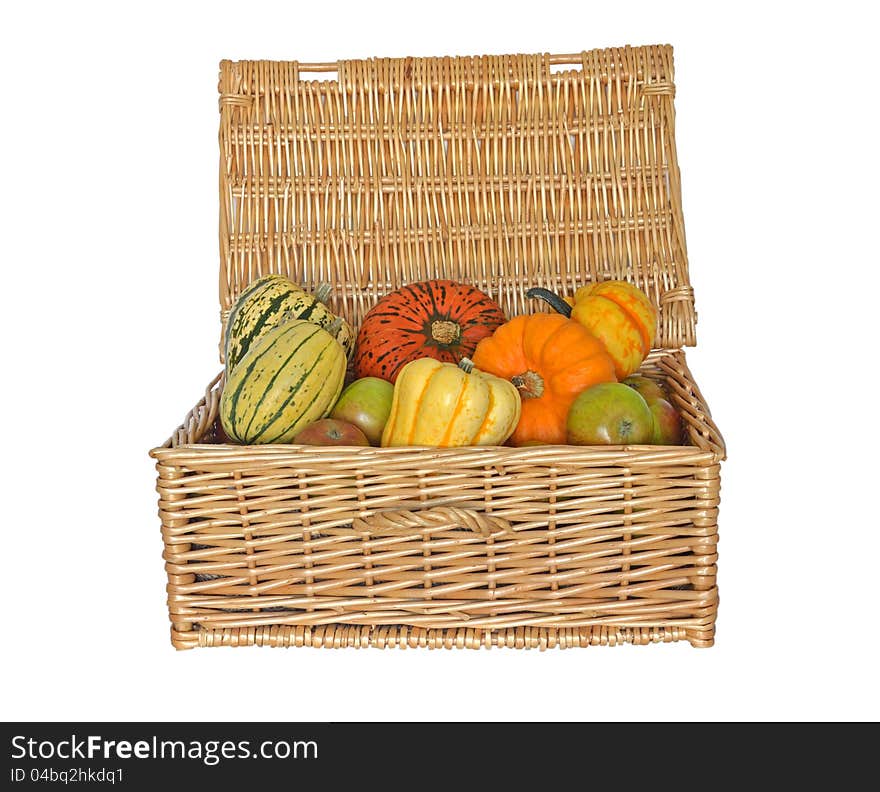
pixel 434 363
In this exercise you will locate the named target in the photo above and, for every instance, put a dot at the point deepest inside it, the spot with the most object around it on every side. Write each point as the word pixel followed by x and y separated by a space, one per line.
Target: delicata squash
pixel 290 377
pixel 272 300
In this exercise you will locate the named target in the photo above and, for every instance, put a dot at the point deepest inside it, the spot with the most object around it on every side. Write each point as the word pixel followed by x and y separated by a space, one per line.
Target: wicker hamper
pixel 505 172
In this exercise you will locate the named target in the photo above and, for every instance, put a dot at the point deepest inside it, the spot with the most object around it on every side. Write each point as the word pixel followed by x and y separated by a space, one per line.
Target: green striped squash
pixel 268 302
pixel 290 377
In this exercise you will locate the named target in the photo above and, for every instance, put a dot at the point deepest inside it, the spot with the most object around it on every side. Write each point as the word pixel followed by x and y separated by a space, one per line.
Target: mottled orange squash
pixel 619 314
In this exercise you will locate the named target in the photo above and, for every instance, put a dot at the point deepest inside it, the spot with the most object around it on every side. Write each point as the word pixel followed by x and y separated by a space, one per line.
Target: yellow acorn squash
pixel 441 404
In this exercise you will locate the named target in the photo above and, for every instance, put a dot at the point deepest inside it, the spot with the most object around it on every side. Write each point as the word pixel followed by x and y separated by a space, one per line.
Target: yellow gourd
pixel 441 404
pixel 619 314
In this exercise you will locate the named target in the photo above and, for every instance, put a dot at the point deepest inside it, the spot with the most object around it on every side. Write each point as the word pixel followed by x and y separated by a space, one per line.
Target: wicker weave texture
pixel 506 172
pixel 531 547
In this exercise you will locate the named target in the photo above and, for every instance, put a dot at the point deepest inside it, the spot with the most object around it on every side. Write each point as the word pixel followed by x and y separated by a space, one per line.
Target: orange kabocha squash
pixel 619 314
pixel 550 359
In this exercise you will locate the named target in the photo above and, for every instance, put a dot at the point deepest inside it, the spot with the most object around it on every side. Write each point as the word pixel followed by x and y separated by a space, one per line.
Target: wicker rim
pixel 338 636
pixel 706 441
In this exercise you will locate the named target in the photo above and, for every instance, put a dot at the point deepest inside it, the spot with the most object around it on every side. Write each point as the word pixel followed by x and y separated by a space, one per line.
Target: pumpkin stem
pixel 466 365
pixel 530 384
pixel 553 300
pixel 334 326
pixel 322 292
pixel 445 332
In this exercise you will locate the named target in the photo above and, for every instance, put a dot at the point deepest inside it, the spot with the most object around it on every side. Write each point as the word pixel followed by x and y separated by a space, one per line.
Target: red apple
pixel 366 403
pixel 649 389
pixel 330 432
pixel 219 433
pixel 610 413
pixel 667 423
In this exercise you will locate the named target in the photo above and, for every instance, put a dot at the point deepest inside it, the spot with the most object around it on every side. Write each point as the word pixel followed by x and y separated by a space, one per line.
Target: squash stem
pixel 553 300
pixel 466 365
pixel 323 291
pixel 445 332
pixel 530 384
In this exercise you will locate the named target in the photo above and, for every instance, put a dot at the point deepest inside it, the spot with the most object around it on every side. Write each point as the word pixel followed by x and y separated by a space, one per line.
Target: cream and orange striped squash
pixel 448 405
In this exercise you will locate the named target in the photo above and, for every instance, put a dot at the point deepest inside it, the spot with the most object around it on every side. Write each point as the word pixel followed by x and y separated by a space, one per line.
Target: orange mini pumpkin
pixel 550 359
pixel 619 314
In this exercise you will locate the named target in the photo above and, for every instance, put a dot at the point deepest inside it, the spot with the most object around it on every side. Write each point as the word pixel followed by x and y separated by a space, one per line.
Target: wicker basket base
pixel 342 636
pixel 443 548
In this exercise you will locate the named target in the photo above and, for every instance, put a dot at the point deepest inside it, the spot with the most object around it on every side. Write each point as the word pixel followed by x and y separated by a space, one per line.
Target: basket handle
pixel 328 68
pixel 446 517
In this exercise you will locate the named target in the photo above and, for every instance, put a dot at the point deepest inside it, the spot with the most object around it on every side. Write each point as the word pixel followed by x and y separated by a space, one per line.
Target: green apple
pixel 610 413
pixel 649 389
pixel 366 403
pixel 667 423
pixel 330 432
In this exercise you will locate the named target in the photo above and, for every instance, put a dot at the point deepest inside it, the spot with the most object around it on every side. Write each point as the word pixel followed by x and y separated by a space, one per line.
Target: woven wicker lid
pixel 506 171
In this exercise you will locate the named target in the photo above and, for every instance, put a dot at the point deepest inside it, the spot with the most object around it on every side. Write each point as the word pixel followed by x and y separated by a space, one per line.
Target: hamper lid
pixel 504 171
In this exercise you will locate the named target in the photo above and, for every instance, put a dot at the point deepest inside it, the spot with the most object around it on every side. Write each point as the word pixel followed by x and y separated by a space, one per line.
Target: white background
pixel 110 324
